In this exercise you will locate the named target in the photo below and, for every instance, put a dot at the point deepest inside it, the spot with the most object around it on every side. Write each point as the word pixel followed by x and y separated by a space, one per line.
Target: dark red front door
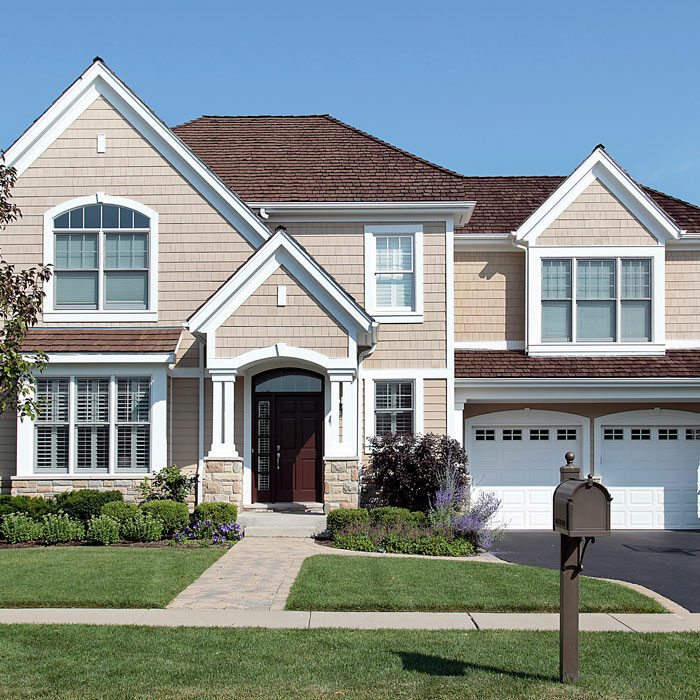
pixel 287 444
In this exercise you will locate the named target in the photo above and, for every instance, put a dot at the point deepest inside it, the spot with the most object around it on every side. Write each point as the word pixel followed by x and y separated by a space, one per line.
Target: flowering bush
pixel 61 528
pixel 452 512
pixel 18 527
pixel 402 539
pixel 218 533
pixel 169 484
pixel 141 528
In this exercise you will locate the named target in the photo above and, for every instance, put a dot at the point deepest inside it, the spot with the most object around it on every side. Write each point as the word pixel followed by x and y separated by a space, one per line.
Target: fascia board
pixel 99 80
pixel 599 165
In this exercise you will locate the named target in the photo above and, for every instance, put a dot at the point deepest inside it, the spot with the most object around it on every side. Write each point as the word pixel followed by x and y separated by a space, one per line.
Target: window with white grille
pixel 78 431
pixel 393 408
pixel 52 426
pixel 133 423
pixel 394 273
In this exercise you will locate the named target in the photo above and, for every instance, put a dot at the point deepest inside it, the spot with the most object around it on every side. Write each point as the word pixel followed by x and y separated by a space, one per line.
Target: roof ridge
pixel 395 148
pixel 247 116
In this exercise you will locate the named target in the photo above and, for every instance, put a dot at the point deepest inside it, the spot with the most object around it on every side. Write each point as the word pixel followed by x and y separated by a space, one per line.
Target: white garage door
pixel 520 464
pixel 652 473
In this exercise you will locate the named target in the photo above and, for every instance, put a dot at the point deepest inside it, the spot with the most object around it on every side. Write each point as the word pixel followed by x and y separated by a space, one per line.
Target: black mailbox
pixel 582 508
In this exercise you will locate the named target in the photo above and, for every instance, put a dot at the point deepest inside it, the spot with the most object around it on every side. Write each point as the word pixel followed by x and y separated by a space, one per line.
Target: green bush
pixel 172 514
pixel 391 515
pixel 169 484
pixel 355 542
pixel 34 507
pixel 102 530
pixel 340 518
pixel 119 510
pixel 59 527
pixel 141 528
pixel 84 504
pixel 18 527
pixel 217 513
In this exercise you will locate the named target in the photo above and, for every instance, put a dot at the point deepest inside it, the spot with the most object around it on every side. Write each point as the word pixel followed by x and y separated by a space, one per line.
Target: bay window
pixel 93 425
pixel 596 300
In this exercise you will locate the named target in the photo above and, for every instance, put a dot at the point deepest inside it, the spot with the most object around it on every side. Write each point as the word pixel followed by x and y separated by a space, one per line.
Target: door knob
pixel 278 456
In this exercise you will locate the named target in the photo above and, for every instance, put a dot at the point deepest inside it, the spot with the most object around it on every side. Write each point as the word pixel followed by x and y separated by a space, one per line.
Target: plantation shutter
pixel 92 424
pixel 51 426
pixel 393 405
pixel 133 424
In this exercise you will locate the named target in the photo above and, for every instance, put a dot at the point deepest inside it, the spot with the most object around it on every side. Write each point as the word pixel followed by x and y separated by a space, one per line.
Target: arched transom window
pixel 101 258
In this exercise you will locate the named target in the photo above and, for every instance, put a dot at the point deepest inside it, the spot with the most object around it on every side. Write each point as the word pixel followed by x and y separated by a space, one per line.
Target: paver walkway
pixel 256 574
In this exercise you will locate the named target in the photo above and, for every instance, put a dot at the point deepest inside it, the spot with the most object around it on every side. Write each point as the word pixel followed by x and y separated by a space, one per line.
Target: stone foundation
pixel 50 487
pixel 222 481
pixel 340 483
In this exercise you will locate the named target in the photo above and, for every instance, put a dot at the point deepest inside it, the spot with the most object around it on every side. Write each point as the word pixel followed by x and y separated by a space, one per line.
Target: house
pixel 251 298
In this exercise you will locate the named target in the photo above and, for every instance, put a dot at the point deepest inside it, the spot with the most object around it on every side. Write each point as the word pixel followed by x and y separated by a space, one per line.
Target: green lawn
pixel 328 582
pixel 98 577
pixel 76 661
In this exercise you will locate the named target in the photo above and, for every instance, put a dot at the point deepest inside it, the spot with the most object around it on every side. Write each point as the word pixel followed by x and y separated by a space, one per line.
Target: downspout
pixel 360 413
pixel 200 435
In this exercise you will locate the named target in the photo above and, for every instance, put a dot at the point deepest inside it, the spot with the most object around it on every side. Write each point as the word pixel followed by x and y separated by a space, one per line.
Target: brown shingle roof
pixel 319 158
pixel 102 340
pixel 489 364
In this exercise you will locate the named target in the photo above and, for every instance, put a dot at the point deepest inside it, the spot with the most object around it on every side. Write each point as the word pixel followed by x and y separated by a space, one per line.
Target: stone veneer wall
pixel 222 481
pixel 50 487
pixel 341 484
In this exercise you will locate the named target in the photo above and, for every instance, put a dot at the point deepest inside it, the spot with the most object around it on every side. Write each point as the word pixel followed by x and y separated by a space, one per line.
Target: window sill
pixel 591 349
pixel 397 316
pixel 63 476
pixel 104 315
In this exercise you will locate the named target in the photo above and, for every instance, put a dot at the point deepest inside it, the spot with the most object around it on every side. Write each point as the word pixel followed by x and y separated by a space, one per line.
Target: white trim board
pixel 98 80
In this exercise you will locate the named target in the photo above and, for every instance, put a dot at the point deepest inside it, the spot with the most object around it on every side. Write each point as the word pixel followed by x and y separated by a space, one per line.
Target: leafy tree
pixel 21 297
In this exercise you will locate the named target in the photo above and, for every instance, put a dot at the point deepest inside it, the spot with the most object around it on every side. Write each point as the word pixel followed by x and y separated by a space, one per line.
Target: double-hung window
pixel 596 300
pixel 393 408
pixel 394 272
pixel 102 259
pixel 93 425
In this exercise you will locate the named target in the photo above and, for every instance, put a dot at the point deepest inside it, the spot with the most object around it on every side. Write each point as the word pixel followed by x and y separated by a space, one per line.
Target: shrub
pixel 18 527
pixel 84 504
pixel 141 528
pixel 402 539
pixel 172 514
pixel 119 510
pixel 208 530
pixel 59 527
pixel 405 469
pixel 390 515
pixel 339 518
pixel 169 484
pixel 102 530
pixel 34 507
pixel 215 512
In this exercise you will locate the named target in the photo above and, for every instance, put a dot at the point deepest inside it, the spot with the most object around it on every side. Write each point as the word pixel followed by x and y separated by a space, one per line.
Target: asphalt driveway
pixel 667 561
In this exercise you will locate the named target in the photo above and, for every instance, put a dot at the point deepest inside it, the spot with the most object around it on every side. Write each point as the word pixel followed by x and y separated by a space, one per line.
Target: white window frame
pixel 418 401
pixel 537 346
pixel 158 422
pixel 52 314
pixel 384 315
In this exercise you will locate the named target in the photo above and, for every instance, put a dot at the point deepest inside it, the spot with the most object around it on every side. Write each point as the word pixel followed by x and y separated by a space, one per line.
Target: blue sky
pixel 499 88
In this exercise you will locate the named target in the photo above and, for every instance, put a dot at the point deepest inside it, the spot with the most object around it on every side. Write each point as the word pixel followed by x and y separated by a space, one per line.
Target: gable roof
pixel 281 250
pixel 98 80
pixel 317 158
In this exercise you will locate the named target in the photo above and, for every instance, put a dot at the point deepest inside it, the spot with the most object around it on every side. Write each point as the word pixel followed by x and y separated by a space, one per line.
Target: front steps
pixel 282 520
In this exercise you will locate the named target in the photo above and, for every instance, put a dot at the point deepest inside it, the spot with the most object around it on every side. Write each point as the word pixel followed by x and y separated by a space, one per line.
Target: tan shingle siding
pixel 185 422
pixel 435 406
pixel 259 322
pixel 489 296
pixel 682 294
pixel 596 217
pixel 8 448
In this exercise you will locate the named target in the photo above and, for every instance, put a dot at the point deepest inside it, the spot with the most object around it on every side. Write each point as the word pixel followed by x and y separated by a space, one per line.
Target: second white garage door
pixel 517 456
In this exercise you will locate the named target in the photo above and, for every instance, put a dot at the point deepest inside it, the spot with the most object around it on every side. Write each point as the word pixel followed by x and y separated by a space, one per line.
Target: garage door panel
pixel 653 481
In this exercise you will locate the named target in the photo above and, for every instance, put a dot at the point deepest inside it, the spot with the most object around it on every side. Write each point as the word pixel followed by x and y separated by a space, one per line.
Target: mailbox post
pixel 581 511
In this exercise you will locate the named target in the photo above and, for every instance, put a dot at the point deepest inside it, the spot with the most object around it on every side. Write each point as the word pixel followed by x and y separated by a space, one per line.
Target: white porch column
pixel 458 421
pixel 342 392
pixel 223 444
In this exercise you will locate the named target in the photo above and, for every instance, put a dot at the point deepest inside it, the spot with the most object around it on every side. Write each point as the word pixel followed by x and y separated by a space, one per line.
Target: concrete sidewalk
pixel 288 619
